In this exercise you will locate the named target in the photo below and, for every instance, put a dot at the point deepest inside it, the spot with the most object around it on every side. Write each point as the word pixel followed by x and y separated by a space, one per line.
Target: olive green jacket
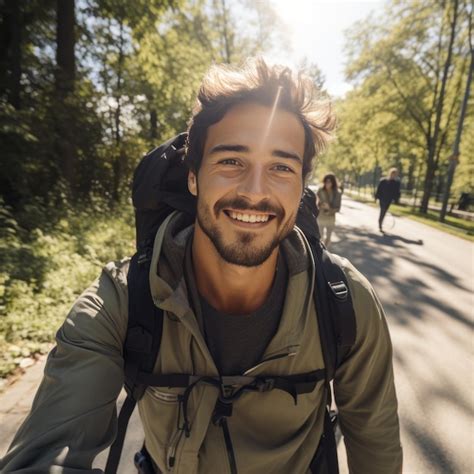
pixel 73 416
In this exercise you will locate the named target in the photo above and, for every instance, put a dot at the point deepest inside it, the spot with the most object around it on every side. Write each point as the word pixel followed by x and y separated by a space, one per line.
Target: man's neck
pixel 229 288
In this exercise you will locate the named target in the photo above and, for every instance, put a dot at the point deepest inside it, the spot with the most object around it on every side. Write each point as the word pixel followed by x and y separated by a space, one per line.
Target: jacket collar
pixel 170 292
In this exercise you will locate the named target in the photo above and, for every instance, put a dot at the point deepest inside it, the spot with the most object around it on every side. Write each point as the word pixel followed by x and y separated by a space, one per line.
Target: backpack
pixel 159 188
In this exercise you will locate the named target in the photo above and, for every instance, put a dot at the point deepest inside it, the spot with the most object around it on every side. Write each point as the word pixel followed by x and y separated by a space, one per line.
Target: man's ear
pixel 192 183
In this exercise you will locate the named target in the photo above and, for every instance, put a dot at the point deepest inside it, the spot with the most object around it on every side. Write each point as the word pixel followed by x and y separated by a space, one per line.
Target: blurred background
pixel 88 86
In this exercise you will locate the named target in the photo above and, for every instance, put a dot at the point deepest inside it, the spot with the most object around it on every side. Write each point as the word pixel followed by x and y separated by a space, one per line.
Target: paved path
pixel 425 281
pixel 424 278
pixel 15 403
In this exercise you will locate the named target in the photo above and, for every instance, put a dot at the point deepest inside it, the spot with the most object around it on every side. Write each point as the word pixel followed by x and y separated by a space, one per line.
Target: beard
pixel 244 250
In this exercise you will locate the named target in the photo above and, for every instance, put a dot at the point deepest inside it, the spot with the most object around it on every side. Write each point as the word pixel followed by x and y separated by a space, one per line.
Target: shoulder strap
pixel 142 343
pixel 336 317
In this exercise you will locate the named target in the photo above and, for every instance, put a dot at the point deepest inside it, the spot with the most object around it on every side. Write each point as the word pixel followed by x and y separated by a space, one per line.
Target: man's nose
pixel 254 186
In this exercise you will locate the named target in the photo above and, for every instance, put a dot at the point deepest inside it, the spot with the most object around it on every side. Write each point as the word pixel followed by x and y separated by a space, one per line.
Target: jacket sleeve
pixel 398 193
pixel 365 391
pixel 73 416
pixel 377 193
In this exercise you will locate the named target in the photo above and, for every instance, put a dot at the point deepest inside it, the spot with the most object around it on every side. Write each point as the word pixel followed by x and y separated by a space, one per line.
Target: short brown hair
pixel 224 87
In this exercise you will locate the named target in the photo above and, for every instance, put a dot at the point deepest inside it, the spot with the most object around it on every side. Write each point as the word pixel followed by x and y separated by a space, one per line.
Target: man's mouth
pixel 248 217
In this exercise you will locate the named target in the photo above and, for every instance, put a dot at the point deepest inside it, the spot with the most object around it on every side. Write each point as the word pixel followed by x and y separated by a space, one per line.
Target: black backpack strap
pixel 144 330
pixel 333 301
pixel 340 301
pixel 337 329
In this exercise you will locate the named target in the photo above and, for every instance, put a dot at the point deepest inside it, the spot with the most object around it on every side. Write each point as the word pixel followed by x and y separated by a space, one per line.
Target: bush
pixel 43 271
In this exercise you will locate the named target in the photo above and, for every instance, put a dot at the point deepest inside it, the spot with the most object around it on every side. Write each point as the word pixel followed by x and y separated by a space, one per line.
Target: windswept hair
pixel 225 86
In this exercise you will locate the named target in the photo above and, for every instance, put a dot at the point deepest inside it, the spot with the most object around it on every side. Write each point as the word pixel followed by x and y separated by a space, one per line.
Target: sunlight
pixel 316 29
pixel 272 115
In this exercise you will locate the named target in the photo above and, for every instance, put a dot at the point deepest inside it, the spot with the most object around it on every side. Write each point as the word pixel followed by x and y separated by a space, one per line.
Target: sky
pixel 316 29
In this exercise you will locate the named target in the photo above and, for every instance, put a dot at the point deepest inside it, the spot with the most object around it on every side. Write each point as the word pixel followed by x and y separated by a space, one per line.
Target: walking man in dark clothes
pixel 388 191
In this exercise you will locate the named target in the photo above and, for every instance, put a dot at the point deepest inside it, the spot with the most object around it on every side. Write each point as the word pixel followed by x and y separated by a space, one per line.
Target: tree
pixel 64 86
pixel 11 31
pixel 417 58
pixel 86 87
pixel 457 140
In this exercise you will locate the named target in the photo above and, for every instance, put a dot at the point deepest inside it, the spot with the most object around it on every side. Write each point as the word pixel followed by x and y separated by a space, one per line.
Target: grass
pixel 452 225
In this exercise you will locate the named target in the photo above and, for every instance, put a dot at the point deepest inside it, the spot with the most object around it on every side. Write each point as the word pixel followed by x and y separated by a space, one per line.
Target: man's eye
pixel 284 168
pixel 229 161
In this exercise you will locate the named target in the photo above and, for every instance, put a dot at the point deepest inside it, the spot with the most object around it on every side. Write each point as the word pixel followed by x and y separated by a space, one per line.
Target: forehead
pixel 258 127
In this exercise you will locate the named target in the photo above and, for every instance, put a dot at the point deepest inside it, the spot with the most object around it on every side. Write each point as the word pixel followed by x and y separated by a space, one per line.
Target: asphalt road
pixel 424 278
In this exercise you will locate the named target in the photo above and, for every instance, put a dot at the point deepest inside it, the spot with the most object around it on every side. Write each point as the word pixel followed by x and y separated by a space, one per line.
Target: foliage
pixel 409 69
pixel 77 111
pixel 132 77
pixel 42 272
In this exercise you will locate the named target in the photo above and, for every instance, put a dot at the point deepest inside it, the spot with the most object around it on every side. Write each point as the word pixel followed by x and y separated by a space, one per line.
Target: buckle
pixel 145 254
pixel 339 290
pixel 227 392
pixel 265 385
pixel 223 409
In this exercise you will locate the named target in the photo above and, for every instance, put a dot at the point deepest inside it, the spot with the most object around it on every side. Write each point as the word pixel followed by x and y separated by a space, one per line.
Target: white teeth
pixel 248 217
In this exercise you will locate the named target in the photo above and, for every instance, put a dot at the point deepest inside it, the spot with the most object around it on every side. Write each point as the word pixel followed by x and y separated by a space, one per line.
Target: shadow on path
pixel 415 296
pixel 368 252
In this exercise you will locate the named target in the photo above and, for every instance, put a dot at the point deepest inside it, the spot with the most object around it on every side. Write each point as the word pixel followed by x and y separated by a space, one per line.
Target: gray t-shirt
pixel 237 342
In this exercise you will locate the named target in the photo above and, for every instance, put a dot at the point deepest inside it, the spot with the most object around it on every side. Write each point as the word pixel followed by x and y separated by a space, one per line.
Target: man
pixel 237 291
pixel 388 191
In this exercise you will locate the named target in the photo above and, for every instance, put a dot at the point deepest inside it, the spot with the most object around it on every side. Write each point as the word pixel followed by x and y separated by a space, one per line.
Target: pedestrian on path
pixel 329 203
pixel 241 380
pixel 388 191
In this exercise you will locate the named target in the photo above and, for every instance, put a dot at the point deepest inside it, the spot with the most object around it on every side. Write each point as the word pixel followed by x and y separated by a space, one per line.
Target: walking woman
pixel 329 202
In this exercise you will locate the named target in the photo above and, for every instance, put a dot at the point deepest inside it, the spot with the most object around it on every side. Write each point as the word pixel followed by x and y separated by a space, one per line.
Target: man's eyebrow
pixel 225 147
pixel 287 154
pixel 245 149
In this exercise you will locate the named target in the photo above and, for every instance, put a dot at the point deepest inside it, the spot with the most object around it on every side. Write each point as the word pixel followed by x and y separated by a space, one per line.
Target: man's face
pixel 250 182
pixel 394 174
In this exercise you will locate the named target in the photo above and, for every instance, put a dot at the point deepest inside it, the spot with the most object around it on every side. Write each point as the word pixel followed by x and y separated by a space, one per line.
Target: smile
pixel 249 217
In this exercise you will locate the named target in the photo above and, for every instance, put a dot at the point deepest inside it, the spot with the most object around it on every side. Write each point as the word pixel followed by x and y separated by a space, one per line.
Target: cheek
pixel 214 186
pixel 291 196
pixel 211 189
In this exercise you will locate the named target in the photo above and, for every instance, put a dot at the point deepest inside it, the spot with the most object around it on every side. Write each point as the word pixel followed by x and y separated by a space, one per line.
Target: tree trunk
pixel 457 141
pixel 118 162
pixel 411 174
pixel 429 178
pixel 153 126
pixel 65 37
pixel 225 33
pixel 433 142
pixel 65 78
pixel 10 52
